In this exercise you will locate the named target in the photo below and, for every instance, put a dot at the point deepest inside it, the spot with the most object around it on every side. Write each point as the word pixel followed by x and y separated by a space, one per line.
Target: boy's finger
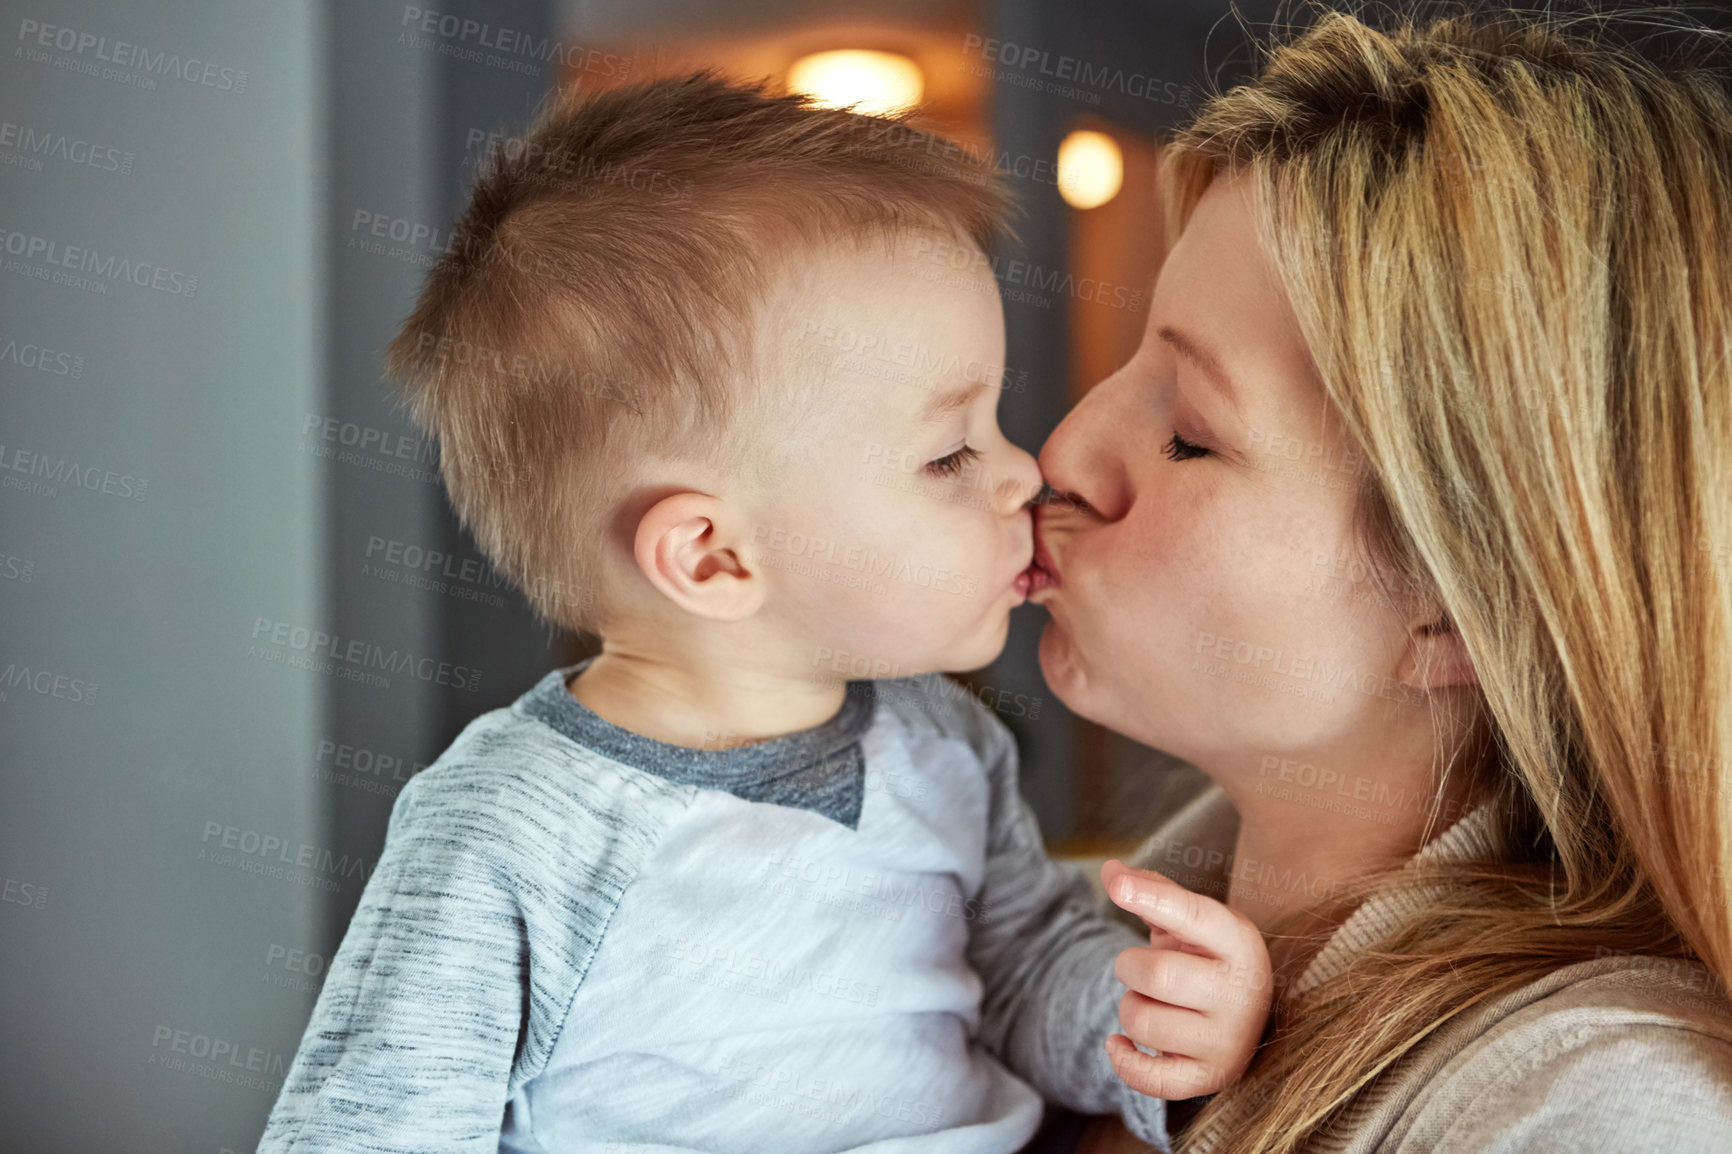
pixel 1171 1030
pixel 1168 1076
pixel 1160 939
pixel 1164 904
pixel 1206 985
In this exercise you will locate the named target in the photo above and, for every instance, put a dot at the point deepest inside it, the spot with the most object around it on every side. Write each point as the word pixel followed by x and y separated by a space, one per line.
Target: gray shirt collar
pixel 822 768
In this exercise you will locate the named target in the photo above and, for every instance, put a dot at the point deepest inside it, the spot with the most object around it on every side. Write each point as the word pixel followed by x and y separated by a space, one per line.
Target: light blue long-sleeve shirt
pixel 847 938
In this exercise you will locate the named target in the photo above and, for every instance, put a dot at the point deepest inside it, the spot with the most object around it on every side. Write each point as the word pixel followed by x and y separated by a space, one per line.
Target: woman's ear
pixel 689 547
pixel 1436 657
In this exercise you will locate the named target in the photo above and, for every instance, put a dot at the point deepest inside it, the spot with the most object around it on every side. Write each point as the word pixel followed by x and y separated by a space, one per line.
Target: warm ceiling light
pixel 1091 169
pixel 876 83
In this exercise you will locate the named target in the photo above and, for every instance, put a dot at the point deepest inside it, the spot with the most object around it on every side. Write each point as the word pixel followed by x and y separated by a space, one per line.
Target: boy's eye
pixel 1179 449
pixel 951 465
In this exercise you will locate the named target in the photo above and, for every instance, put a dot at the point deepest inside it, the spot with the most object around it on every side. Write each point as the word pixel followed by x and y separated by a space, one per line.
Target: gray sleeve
pixel 1627 1087
pixel 1045 951
pixel 411 1042
pixel 457 970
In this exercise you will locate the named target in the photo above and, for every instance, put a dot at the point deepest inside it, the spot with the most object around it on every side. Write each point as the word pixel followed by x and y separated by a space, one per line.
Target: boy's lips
pixel 1025 576
pixel 1041 572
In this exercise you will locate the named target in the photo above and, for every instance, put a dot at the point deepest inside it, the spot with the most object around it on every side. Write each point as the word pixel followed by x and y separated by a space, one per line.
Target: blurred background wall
pixel 215 215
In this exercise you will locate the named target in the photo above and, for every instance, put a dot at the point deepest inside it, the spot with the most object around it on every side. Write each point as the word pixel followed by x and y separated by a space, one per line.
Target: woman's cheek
pixel 1147 577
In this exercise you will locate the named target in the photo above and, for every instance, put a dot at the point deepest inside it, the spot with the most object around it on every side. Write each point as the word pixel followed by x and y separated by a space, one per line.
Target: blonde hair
pixel 593 304
pixel 1507 237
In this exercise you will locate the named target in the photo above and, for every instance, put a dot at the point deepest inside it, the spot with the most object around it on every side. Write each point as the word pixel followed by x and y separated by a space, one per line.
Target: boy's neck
pixel 688 704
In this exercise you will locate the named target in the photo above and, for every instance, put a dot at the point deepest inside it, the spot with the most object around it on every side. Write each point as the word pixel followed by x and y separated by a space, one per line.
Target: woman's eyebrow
pixel 1205 359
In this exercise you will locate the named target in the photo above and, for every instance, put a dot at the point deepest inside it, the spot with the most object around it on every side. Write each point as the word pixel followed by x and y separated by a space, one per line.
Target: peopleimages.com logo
pixel 327 652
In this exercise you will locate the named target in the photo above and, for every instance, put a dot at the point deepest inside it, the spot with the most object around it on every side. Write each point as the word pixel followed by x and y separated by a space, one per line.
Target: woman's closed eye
pixel 1179 449
pixel 953 463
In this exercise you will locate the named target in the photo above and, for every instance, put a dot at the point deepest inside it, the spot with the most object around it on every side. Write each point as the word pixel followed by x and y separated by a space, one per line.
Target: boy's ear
pixel 1436 656
pixel 687 545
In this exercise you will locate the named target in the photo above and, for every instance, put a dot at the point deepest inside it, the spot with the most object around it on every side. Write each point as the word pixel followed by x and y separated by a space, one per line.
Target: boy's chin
pixel 979 652
pixel 905 656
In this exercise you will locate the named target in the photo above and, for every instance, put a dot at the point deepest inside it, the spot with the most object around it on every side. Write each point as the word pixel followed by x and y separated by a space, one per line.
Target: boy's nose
pixel 1021 485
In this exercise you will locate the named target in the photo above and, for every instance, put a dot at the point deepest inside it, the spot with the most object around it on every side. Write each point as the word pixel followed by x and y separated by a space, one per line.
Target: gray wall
pixel 199 478
pixel 167 505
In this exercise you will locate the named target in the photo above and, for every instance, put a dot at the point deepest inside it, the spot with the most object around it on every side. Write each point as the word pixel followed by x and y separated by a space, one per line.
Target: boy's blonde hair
pixel 595 302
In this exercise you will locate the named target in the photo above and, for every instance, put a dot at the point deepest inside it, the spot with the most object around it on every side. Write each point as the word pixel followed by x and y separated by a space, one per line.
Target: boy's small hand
pixel 1198 992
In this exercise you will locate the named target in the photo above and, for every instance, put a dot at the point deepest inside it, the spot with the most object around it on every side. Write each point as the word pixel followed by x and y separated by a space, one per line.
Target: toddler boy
pixel 714 376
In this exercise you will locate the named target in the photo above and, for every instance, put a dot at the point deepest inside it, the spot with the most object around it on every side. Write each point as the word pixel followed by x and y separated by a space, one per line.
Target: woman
pixel 1416 503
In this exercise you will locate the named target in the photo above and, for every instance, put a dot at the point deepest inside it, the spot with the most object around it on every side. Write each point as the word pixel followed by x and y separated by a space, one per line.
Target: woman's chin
pixel 1067 675
pixel 1058 665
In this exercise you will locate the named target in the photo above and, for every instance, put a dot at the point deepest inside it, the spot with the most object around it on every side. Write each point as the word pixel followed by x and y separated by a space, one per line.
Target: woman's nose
pixel 1083 460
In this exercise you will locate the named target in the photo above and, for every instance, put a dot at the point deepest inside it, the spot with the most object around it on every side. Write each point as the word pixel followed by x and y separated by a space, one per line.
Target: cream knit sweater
pixel 1617 1054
